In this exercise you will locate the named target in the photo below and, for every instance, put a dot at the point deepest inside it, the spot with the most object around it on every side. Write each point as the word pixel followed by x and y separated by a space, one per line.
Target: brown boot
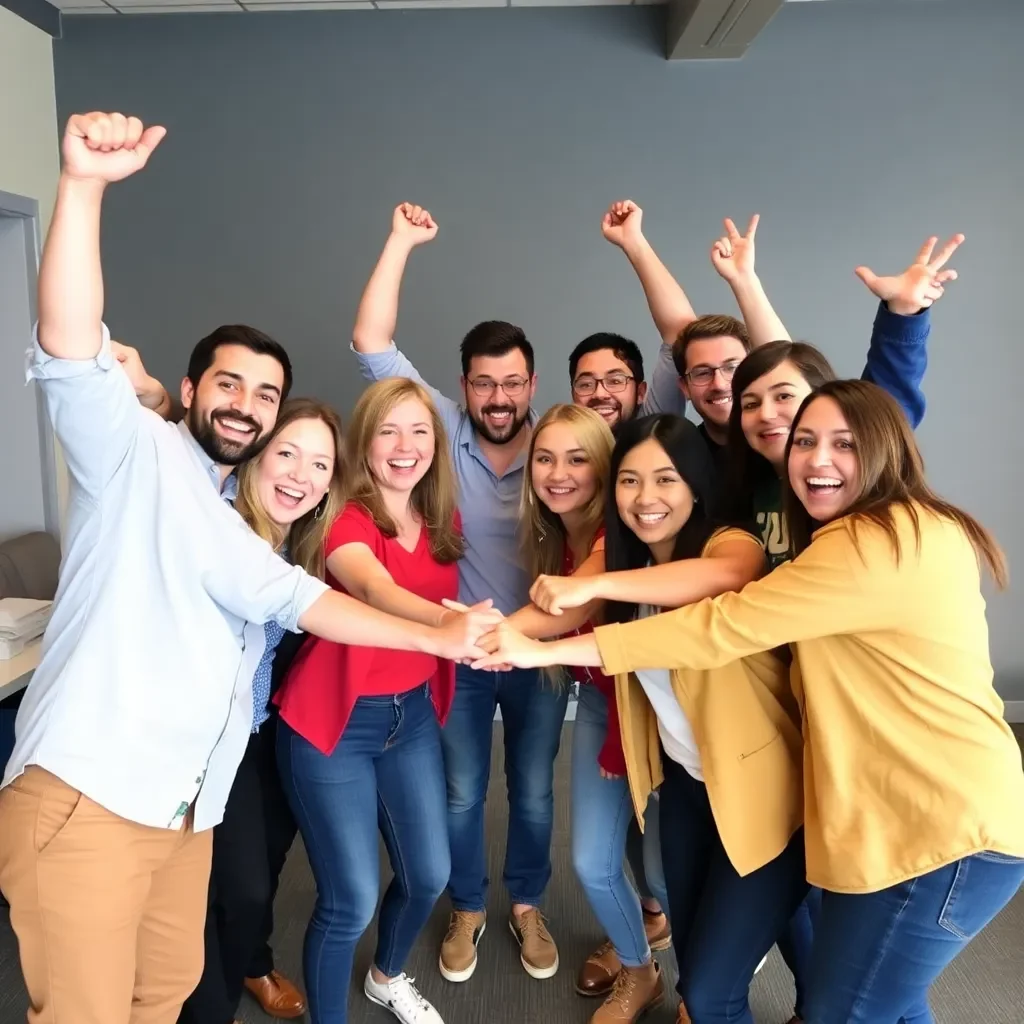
pixel 636 990
pixel 599 971
pixel 659 934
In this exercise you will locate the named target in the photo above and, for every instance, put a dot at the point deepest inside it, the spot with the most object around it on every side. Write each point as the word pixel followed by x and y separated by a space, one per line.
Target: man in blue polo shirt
pixel 489 435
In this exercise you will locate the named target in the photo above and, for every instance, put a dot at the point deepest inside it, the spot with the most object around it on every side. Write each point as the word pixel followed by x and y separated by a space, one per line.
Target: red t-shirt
pixel 326 679
pixel 612 758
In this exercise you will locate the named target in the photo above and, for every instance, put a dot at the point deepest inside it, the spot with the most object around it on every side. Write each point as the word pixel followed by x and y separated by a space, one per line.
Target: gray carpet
pixel 984 986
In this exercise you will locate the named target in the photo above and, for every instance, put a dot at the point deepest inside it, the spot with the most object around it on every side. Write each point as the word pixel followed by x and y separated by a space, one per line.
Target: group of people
pixel 786 725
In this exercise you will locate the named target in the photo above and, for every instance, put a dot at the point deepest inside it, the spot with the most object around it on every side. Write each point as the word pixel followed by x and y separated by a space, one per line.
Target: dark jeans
pixel 532 713
pixel 249 850
pixel 796 943
pixel 722 924
pixel 876 954
pixel 386 774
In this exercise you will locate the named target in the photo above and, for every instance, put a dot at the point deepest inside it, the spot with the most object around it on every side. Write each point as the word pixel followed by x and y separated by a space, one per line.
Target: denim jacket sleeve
pixel 898 358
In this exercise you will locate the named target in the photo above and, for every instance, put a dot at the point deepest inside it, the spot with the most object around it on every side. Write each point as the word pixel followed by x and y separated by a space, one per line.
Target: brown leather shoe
pixel 636 990
pixel 659 934
pixel 277 995
pixel 601 968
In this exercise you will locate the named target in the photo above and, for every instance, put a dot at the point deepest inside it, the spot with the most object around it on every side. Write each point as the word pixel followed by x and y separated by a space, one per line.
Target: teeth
pixel 235 425
pixel 823 481
pixel 297 495
pixel 561 490
pixel 719 401
pixel 781 432
pixel 500 415
pixel 651 517
pixel 402 463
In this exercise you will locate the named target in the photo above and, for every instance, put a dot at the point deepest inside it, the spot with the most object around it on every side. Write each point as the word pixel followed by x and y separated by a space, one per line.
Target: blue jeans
pixel 796 943
pixel 602 818
pixel 385 774
pixel 876 954
pixel 722 924
pixel 532 712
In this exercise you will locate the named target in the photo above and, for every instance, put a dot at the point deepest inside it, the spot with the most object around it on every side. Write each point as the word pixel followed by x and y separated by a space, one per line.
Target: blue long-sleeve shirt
pixel 898 357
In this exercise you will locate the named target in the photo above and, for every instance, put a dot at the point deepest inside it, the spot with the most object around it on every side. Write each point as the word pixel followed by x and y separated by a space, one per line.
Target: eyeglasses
pixel 702 376
pixel 586 384
pixel 484 387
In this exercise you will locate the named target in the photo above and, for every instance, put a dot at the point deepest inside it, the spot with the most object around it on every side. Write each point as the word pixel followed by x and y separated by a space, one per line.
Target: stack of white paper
pixel 21 621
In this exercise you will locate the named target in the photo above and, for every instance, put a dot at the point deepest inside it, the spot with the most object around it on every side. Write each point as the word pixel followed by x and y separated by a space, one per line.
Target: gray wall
pixel 855 128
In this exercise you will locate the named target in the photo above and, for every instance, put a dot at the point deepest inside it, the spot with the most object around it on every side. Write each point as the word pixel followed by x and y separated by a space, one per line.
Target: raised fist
pixel 107 147
pixel 622 224
pixel 414 224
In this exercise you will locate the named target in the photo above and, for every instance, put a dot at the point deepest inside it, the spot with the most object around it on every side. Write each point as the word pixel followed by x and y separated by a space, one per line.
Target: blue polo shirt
pixel 493 564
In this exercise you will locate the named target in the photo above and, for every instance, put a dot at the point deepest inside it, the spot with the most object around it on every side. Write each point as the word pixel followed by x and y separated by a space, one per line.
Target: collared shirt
pixel 143 697
pixel 493 563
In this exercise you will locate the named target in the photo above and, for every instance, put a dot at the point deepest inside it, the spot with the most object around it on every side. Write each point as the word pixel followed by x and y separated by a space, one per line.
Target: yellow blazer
pixel 908 762
pixel 746 723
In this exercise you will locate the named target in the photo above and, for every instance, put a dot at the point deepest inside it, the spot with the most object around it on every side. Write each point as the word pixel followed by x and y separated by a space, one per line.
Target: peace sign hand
pixel 921 284
pixel 733 254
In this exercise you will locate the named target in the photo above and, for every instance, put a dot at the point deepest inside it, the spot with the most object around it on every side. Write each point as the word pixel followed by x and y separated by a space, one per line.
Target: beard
pixel 222 450
pixel 501 435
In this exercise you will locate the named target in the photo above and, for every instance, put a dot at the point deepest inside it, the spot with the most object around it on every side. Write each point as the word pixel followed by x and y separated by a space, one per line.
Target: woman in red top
pixel 359 744
pixel 564 497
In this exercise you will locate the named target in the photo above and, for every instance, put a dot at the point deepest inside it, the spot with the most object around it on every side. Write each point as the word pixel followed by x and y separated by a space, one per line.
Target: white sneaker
pixel 403 999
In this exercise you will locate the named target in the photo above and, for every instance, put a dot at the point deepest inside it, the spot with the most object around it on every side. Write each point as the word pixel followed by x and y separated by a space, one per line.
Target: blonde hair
pixel 544 535
pixel 435 498
pixel 305 537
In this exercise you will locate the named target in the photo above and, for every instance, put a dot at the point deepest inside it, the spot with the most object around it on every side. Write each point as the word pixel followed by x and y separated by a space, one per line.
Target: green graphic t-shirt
pixel 771 521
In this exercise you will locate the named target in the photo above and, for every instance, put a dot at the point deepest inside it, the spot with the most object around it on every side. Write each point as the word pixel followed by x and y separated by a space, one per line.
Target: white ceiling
pixel 77 7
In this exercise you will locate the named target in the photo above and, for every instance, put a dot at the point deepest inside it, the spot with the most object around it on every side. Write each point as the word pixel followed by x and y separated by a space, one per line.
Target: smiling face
pixel 402 450
pixel 767 410
pixel 295 470
pixel 824 469
pixel 710 365
pixel 597 370
pixel 235 403
pixel 652 498
pixel 561 471
pixel 497 415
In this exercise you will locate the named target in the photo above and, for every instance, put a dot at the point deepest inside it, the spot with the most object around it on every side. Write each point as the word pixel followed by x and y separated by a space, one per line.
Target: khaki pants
pixel 108 913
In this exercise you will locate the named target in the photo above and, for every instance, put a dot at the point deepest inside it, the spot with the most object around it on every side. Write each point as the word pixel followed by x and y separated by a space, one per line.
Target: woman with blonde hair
pixel 359 746
pixel 288 494
pixel 563 510
pixel 912 778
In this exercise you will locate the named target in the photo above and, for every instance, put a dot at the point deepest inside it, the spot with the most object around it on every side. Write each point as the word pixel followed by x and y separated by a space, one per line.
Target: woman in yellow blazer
pixel 724 745
pixel 912 779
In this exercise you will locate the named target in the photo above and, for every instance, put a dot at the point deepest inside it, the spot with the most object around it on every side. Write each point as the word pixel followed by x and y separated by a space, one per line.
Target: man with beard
pixel 489 437
pixel 134 724
pixel 607 370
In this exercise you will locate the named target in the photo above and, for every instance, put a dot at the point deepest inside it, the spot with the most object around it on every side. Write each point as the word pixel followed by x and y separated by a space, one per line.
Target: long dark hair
pixel 891 474
pixel 748 470
pixel 688 453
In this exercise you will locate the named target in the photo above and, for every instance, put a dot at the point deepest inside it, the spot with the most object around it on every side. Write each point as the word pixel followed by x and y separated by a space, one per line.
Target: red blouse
pixel 612 758
pixel 326 679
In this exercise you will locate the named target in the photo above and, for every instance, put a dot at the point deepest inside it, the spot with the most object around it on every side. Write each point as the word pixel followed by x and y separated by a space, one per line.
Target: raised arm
pixel 670 308
pixel 97 149
pixel 733 257
pixel 149 391
pixel 377 317
pixel 898 353
pixel 730 564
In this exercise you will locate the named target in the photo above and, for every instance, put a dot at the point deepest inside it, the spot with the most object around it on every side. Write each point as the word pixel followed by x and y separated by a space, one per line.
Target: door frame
pixel 26 210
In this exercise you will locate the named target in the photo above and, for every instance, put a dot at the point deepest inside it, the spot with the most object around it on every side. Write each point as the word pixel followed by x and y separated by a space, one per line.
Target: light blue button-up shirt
pixel 143 697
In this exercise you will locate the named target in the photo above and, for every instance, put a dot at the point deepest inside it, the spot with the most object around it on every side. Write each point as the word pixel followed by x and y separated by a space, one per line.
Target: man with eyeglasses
pixel 489 438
